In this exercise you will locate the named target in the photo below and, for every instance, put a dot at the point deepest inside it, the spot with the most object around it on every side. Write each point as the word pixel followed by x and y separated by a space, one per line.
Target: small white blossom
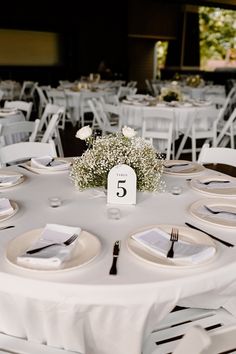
pixel 84 133
pixel 128 132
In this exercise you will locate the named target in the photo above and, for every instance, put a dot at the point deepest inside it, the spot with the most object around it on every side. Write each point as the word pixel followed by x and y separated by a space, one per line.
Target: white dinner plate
pixel 225 186
pixel 198 210
pixel 15 207
pixel 11 173
pixel 176 168
pixel 185 234
pixel 86 249
pixel 7 112
pixel 46 170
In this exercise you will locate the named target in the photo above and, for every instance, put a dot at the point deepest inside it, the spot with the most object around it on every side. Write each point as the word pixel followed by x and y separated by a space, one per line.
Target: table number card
pixel 121 185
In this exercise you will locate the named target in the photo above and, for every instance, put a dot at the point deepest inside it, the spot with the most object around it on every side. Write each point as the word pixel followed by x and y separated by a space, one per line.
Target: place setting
pixel 182 167
pixel 54 248
pixel 47 165
pixel 10 178
pixel 8 111
pixel 8 208
pixel 217 211
pixel 215 185
pixel 172 246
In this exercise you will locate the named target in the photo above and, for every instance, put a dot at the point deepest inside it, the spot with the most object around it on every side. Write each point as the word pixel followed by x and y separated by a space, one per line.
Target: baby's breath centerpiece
pixel 91 169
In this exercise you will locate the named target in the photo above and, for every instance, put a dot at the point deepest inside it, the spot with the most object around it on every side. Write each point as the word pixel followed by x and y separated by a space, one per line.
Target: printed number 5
pixel 123 191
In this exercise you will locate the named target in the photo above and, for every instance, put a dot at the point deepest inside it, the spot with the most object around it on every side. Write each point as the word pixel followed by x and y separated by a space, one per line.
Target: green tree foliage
pixel 217 33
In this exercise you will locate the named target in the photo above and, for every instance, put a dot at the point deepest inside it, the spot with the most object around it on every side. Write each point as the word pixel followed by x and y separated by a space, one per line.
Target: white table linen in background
pixel 86 309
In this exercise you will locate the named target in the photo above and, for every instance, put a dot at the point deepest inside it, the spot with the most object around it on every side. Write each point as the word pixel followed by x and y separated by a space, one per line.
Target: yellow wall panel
pixel 28 48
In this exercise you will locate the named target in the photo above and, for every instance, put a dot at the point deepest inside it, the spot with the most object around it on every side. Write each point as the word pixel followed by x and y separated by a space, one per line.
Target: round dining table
pixel 83 308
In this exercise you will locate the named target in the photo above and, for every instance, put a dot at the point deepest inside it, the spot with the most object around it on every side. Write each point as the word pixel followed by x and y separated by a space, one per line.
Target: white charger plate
pixel 87 247
pixel 220 189
pixel 185 234
pixel 197 210
pixel 11 173
pixel 15 207
pixel 191 168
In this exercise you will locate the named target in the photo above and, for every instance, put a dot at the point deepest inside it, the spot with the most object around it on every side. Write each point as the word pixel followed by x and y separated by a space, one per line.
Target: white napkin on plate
pixel 216 185
pixel 178 166
pixel 5 206
pixel 8 180
pixel 158 241
pixel 57 164
pixel 52 257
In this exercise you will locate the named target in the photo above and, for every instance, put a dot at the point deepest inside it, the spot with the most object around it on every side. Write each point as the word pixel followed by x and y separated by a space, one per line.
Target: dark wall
pixel 88 33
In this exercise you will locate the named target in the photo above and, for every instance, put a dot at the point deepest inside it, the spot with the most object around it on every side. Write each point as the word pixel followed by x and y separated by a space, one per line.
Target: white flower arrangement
pixel 171 93
pixel 91 169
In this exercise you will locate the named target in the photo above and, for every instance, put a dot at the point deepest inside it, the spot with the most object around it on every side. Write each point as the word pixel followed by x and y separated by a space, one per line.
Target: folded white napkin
pixel 49 163
pixel 5 206
pixel 158 241
pixel 205 214
pixel 216 185
pixel 52 257
pixel 178 166
pixel 8 180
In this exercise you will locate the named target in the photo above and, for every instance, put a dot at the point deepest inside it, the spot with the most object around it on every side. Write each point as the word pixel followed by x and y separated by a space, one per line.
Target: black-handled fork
pixel 174 236
pixel 65 243
pixel 116 251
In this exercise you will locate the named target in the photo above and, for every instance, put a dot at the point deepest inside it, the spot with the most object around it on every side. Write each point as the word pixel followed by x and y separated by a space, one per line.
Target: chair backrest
pixel 124 91
pixel 26 150
pixel 27 90
pixel 217 155
pixel 25 107
pixel 49 110
pixel 227 129
pixel 43 100
pixel 158 124
pixel 20 127
pixel 52 128
pixel 198 341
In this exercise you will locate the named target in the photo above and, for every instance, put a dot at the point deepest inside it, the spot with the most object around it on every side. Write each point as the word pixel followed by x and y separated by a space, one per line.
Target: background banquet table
pixel 85 309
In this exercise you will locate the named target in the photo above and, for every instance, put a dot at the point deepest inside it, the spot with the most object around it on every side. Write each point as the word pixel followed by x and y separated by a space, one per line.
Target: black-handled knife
pixel 214 237
pixel 116 251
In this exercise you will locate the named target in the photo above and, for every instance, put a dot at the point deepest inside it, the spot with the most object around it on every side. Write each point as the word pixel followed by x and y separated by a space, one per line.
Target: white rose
pixel 128 132
pixel 84 133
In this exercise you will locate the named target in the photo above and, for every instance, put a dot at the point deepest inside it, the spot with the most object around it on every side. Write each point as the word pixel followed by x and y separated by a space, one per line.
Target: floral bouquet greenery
pixel 194 81
pixel 104 152
pixel 171 93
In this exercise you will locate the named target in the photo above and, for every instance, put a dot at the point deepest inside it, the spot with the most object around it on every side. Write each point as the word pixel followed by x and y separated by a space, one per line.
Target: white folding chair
pixel 124 91
pixel 43 100
pixel 27 90
pixel 25 107
pixel 27 130
pixel 158 127
pixel 49 110
pixel 217 155
pixel 228 130
pixel 168 335
pixel 10 344
pixel 198 341
pixel 52 131
pixel 100 120
pixel 14 153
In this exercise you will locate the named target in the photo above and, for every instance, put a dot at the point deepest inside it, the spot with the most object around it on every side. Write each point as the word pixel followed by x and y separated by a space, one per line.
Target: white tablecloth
pixel 86 309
